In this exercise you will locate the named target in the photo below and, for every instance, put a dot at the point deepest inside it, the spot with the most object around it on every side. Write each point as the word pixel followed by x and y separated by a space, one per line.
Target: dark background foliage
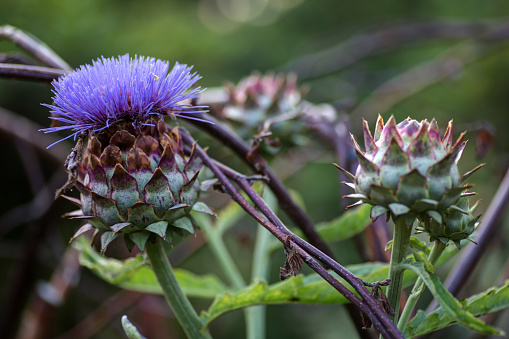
pixel 227 40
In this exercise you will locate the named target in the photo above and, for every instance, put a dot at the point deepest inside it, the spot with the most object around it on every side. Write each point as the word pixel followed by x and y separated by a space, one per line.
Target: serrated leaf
pixel 450 304
pixel 492 300
pixel 134 274
pixel 311 289
pixel 130 330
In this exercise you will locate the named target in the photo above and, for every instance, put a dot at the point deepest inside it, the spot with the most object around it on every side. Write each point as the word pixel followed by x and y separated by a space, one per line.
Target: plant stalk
pixel 436 252
pixel 400 243
pixel 179 304
pixel 256 327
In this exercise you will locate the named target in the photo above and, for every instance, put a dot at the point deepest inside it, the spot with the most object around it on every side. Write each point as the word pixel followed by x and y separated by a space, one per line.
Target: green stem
pixel 222 254
pixel 436 252
pixel 218 247
pixel 400 243
pixel 260 270
pixel 179 304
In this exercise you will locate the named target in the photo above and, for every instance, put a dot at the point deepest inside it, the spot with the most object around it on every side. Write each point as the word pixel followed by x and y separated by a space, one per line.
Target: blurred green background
pixel 227 40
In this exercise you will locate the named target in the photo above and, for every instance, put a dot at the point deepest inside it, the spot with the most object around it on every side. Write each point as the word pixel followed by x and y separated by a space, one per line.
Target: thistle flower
pixel 121 89
pixel 408 171
pixel 134 177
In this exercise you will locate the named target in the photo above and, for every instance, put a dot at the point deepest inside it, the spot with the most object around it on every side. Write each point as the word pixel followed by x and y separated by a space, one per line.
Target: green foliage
pixel 134 274
pixel 345 226
pixel 492 300
pixel 420 245
pixel 450 306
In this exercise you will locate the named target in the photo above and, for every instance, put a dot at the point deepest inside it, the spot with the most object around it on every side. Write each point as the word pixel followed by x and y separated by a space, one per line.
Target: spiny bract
pixel 138 182
pixel 408 171
pixel 456 225
pixel 266 107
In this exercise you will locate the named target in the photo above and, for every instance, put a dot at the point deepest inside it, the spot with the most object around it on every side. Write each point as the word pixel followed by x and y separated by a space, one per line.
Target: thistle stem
pixel 400 243
pixel 256 327
pixel 436 252
pixel 179 304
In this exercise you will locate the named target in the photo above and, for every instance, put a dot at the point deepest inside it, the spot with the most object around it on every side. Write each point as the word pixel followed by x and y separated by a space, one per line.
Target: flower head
pixel 122 89
pixel 408 171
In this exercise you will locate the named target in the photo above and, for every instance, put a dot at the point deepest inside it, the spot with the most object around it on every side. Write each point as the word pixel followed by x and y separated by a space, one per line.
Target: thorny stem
pixel 368 305
pixel 296 214
pixel 436 251
pixel 179 304
pixel 400 243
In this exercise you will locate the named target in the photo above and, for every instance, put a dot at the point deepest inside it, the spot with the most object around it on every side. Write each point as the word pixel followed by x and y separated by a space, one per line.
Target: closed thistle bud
pixel 259 97
pixel 457 224
pixel 408 171
pixel 134 177
pixel 260 105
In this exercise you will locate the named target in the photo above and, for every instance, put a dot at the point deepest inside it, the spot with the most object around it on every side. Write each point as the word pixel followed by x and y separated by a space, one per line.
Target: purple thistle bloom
pixel 121 89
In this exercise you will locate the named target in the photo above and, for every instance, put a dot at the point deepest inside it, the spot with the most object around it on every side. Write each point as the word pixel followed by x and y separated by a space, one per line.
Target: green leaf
pixel 134 274
pixel 130 330
pixel 420 245
pixel 346 226
pixel 447 301
pixel 492 300
pixel 422 258
pixel 311 289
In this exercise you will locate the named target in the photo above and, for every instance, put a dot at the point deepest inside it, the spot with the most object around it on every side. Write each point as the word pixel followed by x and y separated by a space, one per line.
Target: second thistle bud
pixel 407 170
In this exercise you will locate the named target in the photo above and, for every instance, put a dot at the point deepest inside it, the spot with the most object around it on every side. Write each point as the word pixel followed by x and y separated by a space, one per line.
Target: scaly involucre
pixel 121 89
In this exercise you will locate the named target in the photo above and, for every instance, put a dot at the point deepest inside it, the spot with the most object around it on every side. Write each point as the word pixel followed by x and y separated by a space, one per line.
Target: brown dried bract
pixel 293 262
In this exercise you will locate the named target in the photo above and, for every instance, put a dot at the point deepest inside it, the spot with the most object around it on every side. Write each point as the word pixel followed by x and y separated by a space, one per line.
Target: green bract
pixel 137 182
pixel 457 224
pixel 408 171
pixel 268 107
